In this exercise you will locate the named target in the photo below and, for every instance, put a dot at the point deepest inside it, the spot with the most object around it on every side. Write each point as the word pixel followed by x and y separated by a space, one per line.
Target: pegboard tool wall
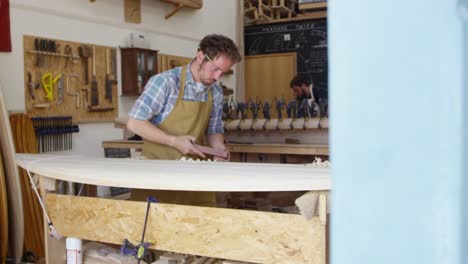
pixel 69 62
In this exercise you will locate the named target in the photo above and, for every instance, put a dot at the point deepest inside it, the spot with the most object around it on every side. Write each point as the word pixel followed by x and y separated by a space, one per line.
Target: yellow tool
pixel 48 84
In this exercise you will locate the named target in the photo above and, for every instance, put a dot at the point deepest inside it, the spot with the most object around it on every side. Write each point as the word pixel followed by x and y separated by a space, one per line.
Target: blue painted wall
pixel 396 95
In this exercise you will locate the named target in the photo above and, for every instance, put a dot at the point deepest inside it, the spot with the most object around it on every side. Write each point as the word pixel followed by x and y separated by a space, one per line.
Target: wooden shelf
pixel 76 57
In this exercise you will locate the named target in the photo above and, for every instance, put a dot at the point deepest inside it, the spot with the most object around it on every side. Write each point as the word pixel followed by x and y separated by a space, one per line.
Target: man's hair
pixel 299 80
pixel 214 45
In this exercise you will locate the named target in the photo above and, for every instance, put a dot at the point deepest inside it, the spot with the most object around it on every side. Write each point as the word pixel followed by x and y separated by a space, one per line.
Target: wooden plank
pixel 309 16
pixel 252 236
pixel 299 149
pixel 132 11
pixel 318 5
pixel 195 4
pixel 126 144
pixel 54 249
pixel 14 193
pixel 178 175
pixel 290 149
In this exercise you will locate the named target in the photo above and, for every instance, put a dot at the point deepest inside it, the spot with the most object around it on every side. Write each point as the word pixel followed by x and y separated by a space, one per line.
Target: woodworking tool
pixel 84 52
pixel 242 109
pixel 99 109
pixel 60 89
pixel 54 133
pixel 304 109
pixel 211 151
pixel 48 83
pixel 291 109
pixel 76 94
pixel 37 49
pixel 323 106
pixel 94 84
pixel 255 107
pixel 68 56
pixel 232 109
pixel 114 62
pixel 140 251
pixel 266 110
pixel 279 106
pixel 31 86
pixel 109 81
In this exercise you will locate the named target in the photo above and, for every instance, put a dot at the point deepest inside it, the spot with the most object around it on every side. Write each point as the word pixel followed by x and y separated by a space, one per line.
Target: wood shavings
pixel 318 163
pixel 185 159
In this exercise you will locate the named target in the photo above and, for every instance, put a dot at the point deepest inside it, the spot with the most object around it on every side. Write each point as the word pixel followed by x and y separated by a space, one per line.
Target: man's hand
pixel 228 155
pixel 184 145
pixel 216 141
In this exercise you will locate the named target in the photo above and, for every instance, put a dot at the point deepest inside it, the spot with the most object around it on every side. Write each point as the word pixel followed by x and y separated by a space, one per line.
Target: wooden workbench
pixel 252 236
pixel 242 149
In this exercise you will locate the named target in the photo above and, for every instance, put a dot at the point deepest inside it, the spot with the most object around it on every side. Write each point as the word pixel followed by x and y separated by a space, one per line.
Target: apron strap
pixel 183 72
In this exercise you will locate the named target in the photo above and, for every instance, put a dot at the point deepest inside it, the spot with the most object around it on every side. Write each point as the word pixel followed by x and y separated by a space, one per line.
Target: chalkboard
pixel 307 38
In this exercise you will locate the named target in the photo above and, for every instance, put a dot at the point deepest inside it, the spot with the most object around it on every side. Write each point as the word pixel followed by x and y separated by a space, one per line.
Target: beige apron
pixel 187 118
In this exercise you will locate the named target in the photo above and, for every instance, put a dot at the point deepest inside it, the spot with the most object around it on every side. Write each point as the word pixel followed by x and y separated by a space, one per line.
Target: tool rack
pixel 51 63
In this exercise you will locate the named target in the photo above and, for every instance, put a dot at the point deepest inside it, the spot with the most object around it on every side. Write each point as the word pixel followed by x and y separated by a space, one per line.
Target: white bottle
pixel 74 250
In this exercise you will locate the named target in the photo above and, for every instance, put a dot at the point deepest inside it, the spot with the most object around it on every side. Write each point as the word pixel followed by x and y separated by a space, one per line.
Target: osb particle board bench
pixel 252 236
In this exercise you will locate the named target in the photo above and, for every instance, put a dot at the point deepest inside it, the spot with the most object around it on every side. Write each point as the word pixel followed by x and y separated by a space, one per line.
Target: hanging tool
pixel 94 84
pixel 254 107
pixel 109 82
pixel 232 114
pixel 291 109
pixel 266 110
pixel 114 63
pixel 100 109
pixel 60 89
pixel 84 91
pixel 84 52
pixel 31 86
pixel 76 92
pixel 37 80
pixel 68 56
pixel 37 48
pixel 304 109
pixel 140 251
pixel 48 83
pixel 242 109
pixel 43 48
pixel 279 106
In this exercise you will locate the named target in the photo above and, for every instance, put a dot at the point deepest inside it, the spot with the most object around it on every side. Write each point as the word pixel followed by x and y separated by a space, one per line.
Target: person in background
pixel 303 92
pixel 183 106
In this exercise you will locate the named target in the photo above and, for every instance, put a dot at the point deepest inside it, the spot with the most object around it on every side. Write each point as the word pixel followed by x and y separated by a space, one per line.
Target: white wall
pixel 102 23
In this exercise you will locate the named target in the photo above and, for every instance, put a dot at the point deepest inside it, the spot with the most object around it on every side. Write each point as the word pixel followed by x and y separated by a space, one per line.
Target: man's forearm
pixel 216 141
pixel 150 132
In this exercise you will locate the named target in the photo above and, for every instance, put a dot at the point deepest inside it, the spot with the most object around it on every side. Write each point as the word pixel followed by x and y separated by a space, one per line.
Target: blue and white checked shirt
pixel 161 92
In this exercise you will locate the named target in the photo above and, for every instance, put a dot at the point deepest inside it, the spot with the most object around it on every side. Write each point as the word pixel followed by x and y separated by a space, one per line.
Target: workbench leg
pixel 323 216
pixel 54 249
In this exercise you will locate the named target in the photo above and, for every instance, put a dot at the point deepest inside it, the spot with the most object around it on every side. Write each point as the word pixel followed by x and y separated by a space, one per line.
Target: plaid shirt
pixel 161 92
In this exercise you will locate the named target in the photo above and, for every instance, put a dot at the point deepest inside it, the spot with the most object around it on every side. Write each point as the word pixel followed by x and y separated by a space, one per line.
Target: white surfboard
pixel 178 175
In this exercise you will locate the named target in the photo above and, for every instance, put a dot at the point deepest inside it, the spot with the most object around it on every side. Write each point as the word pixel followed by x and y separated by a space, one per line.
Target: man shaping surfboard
pixel 179 107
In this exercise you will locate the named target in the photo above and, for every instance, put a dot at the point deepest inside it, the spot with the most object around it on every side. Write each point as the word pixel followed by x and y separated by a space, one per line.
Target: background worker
pixel 183 106
pixel 303 90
